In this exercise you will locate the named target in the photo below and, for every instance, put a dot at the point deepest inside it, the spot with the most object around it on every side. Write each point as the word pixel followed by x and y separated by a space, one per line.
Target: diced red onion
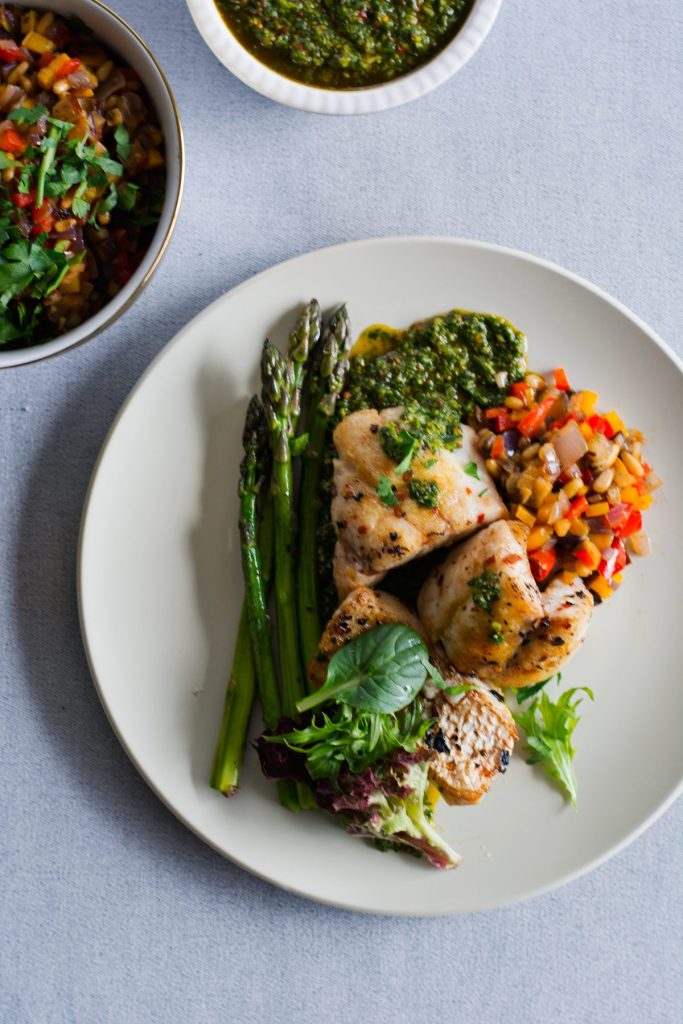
pixel 511 440
pixel 570 444
pixel 79 79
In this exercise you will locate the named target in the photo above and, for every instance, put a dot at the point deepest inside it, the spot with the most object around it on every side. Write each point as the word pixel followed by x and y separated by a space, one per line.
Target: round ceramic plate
pixel 160 584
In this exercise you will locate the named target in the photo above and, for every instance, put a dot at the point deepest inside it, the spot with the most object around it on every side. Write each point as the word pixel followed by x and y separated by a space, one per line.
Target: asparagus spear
pixel 334 363
pixel 280 401
pixel 302 340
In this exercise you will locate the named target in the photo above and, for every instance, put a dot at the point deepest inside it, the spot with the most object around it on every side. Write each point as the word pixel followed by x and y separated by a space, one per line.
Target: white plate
pixel 160 583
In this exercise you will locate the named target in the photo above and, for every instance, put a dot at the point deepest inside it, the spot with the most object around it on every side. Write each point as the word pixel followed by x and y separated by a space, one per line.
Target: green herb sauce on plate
pixel 438 370
pixel 344 44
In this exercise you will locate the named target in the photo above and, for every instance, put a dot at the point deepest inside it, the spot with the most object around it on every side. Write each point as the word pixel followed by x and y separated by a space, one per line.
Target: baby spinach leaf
pixel 381 670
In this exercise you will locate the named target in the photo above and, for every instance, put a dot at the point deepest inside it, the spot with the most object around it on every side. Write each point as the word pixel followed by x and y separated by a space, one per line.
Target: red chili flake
pixel 481 517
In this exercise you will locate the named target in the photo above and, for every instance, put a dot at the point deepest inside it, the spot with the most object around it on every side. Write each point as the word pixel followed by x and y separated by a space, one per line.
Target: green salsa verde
pixel 438 370
pixel 344 44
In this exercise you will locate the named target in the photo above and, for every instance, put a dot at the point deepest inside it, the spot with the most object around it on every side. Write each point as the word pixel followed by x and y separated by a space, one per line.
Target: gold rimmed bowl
pixel 119 37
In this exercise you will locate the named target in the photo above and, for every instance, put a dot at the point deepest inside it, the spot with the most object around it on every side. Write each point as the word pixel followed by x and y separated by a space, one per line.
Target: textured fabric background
pixel 561 137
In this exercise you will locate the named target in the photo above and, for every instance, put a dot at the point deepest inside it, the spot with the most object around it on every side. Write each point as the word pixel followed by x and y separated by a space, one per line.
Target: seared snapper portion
pixel 485 607
pixel 383 519
pixel 474 733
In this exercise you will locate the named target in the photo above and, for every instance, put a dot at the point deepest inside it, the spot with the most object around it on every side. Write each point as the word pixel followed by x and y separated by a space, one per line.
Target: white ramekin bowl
pixel 263 79
pixel 115 33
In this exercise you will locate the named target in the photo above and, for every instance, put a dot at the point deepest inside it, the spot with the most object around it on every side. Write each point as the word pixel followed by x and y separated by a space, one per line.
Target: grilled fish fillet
pixel 539 632
pixel 373 538
pixel 474 733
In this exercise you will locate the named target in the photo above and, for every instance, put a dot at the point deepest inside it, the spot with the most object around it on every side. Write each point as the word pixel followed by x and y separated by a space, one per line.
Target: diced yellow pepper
pixel 538 536
pixel 618 578
pixel 47 75
pixel 542 489
pixel 579 528
pixel 629 494
pixel 586 430
pixel 567 576
pixel 642 502
pixel 432 795
pixel 592 553
pixel 600 508
pixel 601 587
pixel 29 20
pixel 524 516
pixel 615 421
pixel 587 402
pixel 36 43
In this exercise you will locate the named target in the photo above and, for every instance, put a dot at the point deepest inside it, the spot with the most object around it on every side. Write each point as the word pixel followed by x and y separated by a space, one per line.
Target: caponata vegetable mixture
pixel 82 170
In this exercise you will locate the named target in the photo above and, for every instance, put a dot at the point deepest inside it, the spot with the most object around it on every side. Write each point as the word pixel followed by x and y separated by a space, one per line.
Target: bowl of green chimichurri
pixel 344 56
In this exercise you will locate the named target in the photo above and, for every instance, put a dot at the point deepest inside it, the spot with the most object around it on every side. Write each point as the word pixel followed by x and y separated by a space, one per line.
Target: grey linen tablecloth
pixel 561 137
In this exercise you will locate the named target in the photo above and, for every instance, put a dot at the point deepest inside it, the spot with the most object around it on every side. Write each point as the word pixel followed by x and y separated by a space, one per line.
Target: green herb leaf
pixel 385 492
pixel 123 144
pixel 524 693
pixel 482 493
pixel 548 727
pixel 381 670
pixel 27 115
pixel 7 161
pixel 472 470
pixel 350 738
pixel 128 195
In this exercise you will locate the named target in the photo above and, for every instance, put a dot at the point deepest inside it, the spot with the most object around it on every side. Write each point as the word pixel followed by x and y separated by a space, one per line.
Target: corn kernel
pixel 538 537
pixel 562 527
pixel 524 516
pixel 579 528
pixel 601 540
pixel 432 795
pixel 542 489
pixel 514 403
pixel 567 576
pixel 573 487
pixel 600 508
pixel 618 579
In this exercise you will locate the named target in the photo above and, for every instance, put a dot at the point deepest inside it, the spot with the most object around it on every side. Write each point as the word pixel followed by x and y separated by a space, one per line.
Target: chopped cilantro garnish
pixel 128 194
pixel 482 493
pixel 472 470
pixel 485 590
pixel 27 115
pixel 123 144
pixel 385 492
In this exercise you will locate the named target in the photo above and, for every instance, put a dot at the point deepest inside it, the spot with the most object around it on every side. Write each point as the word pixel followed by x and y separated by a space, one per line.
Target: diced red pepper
pixel 584 556
pixel 45 59
pixel 499 419
pixel 12 142
pixel 530 424
pixel 520 389
pixel 601 425
pixel 633 524
pixel 542 561
pixel 561 382
pixel 498 448
pixel 22 199
pixel 10 53
pixel 43 220
pixel 68 67
pixel 615 559
pixel 577 507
